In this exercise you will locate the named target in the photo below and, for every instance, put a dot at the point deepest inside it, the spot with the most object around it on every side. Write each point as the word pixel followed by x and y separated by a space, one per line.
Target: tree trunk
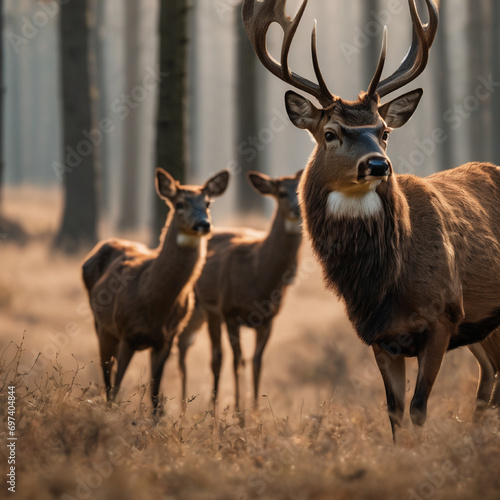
pixel 171 147
pixel 9 230
pixel 479 65
pixel 79 221
pixel 441 73
pixel 2 93
pixel 101 105
pixel 495 70
pixel 13 67
pixel 129 206
pixel 371 52
pixel 248 154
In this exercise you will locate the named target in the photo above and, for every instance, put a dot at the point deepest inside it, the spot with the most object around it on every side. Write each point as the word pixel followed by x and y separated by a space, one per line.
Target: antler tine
pixel 317 71
pixel 416 59
pixel 257 17
pixel 289 26
pixel 372 89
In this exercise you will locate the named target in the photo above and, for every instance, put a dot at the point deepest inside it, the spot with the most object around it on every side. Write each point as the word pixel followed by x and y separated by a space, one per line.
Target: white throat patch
pixel 188 240
pixel 293 226
pixel 365 206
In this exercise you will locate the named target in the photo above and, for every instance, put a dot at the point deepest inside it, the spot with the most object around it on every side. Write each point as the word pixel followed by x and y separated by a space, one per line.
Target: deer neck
pixel 362 249
pixel 177 266
pixel 277 254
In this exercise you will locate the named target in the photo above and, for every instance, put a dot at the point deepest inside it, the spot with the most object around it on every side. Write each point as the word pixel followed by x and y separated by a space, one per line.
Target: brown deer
pixel 141 298
pixel 416 260
pixel 487 354
pixel 244 281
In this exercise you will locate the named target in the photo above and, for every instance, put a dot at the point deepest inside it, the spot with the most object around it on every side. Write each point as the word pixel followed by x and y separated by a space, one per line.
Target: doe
pixel 244 281
pixel 141 298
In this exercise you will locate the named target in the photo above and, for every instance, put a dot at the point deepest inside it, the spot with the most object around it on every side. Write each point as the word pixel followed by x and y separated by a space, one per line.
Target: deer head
pixel 350 158
pixel 191 203
pixel 283 189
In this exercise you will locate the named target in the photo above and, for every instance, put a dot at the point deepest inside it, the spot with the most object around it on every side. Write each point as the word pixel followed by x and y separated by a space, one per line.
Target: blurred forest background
pixel 97 93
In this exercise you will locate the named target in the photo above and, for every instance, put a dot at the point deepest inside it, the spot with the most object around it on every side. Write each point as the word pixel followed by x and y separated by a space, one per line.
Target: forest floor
pixel 321 430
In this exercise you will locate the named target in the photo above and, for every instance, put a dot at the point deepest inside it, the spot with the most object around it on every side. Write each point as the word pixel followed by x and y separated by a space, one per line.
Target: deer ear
pixel 216 185
pixel 298 175
pixel 166 186
pixel 262 182
pixel 397 112
pixel 302 112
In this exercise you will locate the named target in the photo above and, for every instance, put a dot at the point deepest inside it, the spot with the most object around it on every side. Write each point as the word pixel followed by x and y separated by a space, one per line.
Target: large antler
pixel 416 59
pixel 257 17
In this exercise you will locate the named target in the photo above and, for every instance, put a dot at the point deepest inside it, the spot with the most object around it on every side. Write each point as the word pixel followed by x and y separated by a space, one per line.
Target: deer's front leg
pixel 184 342
pixel 214 329
pixel 233 330
pixel 430 357
pixel 183 346
pixel 125 353
pixel 263 334
pixel 393 370
pixel 158 359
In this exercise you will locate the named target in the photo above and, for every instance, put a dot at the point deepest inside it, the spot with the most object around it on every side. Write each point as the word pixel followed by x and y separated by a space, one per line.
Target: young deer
pixel 141 298
pixel 244 280
pixel 416 261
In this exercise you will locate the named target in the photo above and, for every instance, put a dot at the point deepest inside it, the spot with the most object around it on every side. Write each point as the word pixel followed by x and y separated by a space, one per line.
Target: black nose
pixel 378 167
pixel 202 227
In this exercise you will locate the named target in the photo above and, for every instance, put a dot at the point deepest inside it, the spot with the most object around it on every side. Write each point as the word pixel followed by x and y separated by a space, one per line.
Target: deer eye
pixel 179 205
pixel 385 135
pixel 282 194
pixel 330 136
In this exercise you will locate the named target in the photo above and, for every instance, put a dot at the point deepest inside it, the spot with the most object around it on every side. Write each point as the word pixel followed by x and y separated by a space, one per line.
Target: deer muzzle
pixel 202 227
pixel 374 168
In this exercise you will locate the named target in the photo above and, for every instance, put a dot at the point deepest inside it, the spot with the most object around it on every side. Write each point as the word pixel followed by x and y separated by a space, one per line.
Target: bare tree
pixel 495 70
pixel 8 229
pixel 171 141
pixel 129 206
pixel 79 221
pixel 2 92
pixel 246 106
pixel 479 29
pixel 441 73
pixel 13 66
pixel 101 102
pixel 372 49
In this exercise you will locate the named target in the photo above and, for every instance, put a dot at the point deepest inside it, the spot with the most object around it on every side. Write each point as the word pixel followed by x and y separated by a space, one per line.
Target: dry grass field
pixel 321 431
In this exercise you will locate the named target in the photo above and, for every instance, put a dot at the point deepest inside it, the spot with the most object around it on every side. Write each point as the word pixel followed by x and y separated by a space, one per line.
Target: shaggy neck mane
pixel 361 256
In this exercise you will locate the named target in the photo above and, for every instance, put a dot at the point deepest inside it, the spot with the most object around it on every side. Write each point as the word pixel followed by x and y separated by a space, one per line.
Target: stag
pixel 416 260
